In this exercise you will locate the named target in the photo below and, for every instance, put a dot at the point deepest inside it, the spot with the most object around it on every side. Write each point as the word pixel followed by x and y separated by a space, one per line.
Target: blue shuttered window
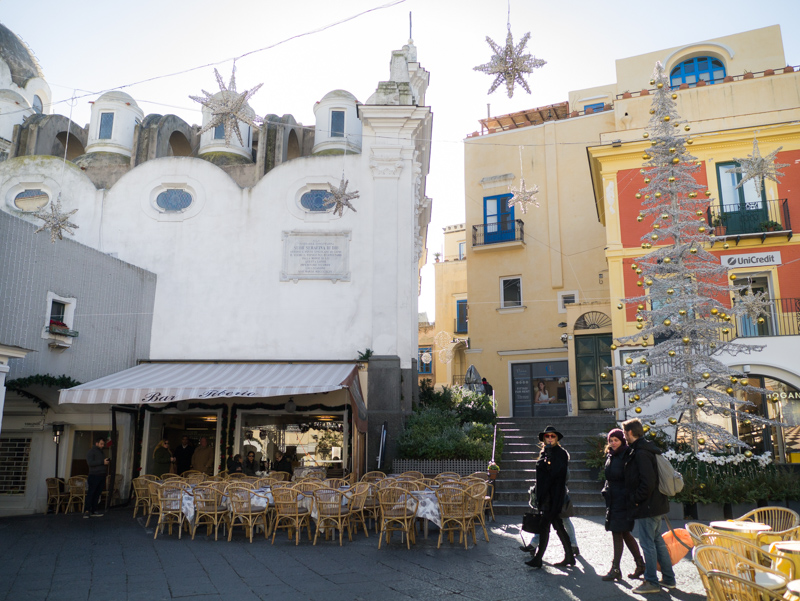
pixel 461 317
pixel 422 367
pixel 709 69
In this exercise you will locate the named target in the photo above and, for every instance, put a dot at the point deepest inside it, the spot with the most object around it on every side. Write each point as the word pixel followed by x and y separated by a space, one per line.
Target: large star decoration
pixel 757 168
pixel 55 221
pixel 523 197
pixel 340 198
pixel 753 304
pixel 229 108
pixel 509 64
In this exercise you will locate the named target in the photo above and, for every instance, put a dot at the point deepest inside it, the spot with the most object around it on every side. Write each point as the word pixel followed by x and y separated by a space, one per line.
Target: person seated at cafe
pixel 282 463
pixel 251 464
pixel 235 465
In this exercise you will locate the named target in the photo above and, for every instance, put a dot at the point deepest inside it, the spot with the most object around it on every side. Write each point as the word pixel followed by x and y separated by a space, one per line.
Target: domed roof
pixel 18 57
pixel 340 95
pixel 117 96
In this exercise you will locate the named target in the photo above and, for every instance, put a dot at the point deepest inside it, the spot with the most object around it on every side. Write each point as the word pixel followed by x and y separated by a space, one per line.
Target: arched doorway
pixel 72 143
pixel 592 338
pixel 292 146
pixel 179 146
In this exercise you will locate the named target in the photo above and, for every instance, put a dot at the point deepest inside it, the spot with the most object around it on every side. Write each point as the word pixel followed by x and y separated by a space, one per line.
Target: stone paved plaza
pixel 114 558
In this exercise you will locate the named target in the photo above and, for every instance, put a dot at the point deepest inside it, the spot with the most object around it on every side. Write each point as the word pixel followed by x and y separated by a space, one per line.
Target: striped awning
pixel 170 382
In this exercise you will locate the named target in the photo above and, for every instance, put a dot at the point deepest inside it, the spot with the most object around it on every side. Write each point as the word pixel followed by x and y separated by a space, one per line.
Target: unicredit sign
pixel 751 259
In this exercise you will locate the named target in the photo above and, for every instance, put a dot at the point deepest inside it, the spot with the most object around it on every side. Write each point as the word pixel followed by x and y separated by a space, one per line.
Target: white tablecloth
pixel 427 506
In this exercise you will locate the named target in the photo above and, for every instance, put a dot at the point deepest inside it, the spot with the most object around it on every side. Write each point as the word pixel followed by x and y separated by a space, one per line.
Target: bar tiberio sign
pixel 751 259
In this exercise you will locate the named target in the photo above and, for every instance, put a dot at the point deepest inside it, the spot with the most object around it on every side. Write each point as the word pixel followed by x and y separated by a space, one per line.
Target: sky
pixel 91 46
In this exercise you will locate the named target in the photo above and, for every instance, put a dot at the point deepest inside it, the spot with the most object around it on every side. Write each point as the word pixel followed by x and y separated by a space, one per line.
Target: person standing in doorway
pixel 183 455
pixel 487 388
pixel 98 468
pixel 203 458
pixel 648 505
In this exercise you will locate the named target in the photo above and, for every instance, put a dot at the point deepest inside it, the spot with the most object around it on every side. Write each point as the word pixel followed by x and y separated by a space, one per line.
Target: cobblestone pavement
pixel 114 557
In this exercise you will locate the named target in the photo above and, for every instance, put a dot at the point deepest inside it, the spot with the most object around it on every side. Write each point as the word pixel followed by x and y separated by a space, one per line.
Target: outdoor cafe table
pixel 427 508
pixel 788 550
pixel 792 591
pixel 742 528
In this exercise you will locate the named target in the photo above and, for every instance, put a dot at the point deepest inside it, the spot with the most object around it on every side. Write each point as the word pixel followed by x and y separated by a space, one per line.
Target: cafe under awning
pixel 171 382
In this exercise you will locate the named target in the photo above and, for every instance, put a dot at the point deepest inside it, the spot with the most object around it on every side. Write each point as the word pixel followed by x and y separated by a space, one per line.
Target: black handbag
pixel 532 522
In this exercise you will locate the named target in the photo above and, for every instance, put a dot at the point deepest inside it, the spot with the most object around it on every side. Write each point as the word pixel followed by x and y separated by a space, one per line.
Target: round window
pixel 315 201
pixel 174 200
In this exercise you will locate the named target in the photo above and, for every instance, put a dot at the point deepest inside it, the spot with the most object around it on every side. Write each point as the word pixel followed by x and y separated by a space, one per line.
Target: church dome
pixel 338 128
pixel 117 96
pixel 20 60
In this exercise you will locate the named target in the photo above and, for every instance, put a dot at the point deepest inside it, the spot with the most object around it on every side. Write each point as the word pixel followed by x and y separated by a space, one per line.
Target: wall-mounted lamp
pixel 58 430
pixel 565 339
pixel 600 278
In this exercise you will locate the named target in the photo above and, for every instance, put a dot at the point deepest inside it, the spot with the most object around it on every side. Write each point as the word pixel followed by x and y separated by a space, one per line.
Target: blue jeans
pixel 654 550
pixel 567 526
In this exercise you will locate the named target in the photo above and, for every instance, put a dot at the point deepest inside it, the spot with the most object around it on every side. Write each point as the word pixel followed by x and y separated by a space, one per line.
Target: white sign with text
pixel 751 259
pixel 316 256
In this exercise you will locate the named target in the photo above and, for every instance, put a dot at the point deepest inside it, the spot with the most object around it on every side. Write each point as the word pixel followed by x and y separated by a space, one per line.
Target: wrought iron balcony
pixel 782 319
pixel 458 380
pixel 494 233
pixel 758 217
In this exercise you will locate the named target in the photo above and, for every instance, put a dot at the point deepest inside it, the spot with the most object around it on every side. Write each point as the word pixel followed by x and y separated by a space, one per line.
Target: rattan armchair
pixel 359 495
pixel 742 547
pixel 289 515
pixel 77 493
pixel 208 510
pixel 373 476
pixel 245 512
pixel 476 505
pixel 413 474
pixel 727 587
pixel 332 513
pixel 170 506
pixel 57 494
pixel 777 518
pixel 335 483
pixel 456 514
pixel 170 476
pixel 141 495
pixel 285 476
pixel 696 531
pixel 709 557
pixel 398 511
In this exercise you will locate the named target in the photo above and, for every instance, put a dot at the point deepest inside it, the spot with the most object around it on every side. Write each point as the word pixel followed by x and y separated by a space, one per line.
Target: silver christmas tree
pixel 686 296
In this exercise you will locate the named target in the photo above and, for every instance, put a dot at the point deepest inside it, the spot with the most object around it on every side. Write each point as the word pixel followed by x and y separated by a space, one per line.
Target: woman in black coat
pixel 618 519
pixel 551 492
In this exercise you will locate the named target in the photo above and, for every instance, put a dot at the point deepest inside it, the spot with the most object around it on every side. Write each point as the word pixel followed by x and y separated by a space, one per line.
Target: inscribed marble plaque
pixel 316 256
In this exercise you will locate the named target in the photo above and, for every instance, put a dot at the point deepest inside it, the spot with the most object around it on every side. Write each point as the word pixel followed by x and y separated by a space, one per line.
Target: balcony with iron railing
pixel 484 234
pixel 458 380
pixel 782 319
pixel 751 219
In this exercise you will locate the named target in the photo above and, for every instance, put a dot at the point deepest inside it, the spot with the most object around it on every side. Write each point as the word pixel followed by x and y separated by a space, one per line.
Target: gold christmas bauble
pixel 727 318
pixel 638 195
pixel 646 429
pixel 665 388
pixel 632 374
pixel 603 376
pixel 640 307
pixel 670 291
pixel 685 340
pixel 652 422
pixel 673 150
pixel 672 420
pixel 639 283
pixel 636 397
pixel 667 322
pixel 652 111
pixel 675 161
pixel 679 392
pixel 713 345
pixel 613 347
pixel 734 379
pixel 687 128
pixel 728 445
pixel 689 141
pixel 760 320
pixel 625 387
pixel 620 306
pixel 646 196
pixel 701 403
pixel 657 195
pixel 667 260
pixel 698 212
pixel 693 195
pixel 638 410
pixel 681 312
pixel 659 85
pixel 726 246
pixel 640 219
pixel 648 282
pixel 670 179
pixel 665 216
pixel 645 135
pixel 706 375
pixel 666 118
pixel 747 422
pixel 656 226
pixel 714 311
pixel 647 180
pixel 644 342
pixel 628 360
pixel 701 441
pixel 744 381
pixel 671 353
pixel 643 361
pixel 726 413
pixel 733 276
pixel 638 271
pixel 701 229
pixel 725 330
pixel 639 326
pixel 707 193
pixel 654 236
pixel 748 453
pixel 729 390
pixel 633 266
pixel 652 82
pixel 693 251
pixel 674 96
pixel 646 157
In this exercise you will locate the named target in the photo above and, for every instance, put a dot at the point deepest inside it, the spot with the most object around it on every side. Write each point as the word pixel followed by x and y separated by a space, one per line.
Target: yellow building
pixel 541 284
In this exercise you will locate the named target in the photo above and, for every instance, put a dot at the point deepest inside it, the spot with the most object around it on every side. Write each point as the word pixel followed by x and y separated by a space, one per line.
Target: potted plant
pixel 718 225
pixel 493 469
pixel 770 226
pixel 596 456
pixel 627 94
pixel 748 74
pixel 436 256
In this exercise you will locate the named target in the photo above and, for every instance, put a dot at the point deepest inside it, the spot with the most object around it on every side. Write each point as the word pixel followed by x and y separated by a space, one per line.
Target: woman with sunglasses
pixel 250 465
pixel 551 491
pixel 162 458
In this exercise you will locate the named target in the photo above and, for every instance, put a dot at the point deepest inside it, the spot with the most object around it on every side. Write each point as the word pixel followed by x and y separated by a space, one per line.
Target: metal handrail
pixel 495 233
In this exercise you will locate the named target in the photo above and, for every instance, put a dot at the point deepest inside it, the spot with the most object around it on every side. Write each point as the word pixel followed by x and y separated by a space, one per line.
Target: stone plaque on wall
pixel 316 256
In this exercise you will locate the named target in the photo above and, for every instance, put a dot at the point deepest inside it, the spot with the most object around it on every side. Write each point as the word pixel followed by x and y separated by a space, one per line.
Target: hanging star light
pixel 228 107
pixel 55 221
pixel 340 198
pixel 754 304
pixel 523 197
pixel 509 64
pixel 757 168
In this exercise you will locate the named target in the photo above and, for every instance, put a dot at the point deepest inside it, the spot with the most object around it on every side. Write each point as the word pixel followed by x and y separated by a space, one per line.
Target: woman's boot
pixel 637 573
pixel 613 574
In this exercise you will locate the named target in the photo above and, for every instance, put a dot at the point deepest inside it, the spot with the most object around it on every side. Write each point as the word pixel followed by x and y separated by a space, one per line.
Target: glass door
pixel 749 327
pixel 498 219
pixel 742 210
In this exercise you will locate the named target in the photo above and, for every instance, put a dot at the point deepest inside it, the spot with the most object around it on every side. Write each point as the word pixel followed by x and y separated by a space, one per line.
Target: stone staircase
pixel 521 449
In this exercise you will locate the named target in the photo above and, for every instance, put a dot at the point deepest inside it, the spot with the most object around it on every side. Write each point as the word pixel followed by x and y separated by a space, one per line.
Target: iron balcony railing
pixel 494 233
pixel 782 319
pixel 757 217
pixel 458 380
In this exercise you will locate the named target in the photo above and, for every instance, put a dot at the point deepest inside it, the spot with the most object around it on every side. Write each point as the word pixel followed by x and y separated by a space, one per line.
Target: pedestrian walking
pixel 647 505
pixel 98 468
pixel 551 490
pixel 618 519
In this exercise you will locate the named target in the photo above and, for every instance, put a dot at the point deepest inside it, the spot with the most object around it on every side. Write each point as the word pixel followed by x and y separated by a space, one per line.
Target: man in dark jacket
pixel 183 455
pixel 97 477
pixel 647 505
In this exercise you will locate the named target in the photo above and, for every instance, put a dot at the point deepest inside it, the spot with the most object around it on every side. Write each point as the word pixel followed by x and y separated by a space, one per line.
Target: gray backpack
pixel 670 481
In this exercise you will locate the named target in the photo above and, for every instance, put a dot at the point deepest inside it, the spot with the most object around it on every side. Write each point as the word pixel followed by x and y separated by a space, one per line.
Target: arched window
pixel 174 199
pixel 707 68
pixel 315 201
pixel 37 104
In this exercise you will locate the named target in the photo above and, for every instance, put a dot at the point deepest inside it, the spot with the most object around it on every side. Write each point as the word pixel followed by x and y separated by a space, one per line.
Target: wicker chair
pixel 153 508
pixel 308 485
pixel 77 493
pixel 170 506
pixel 477 506
pixel 315 475
pixel 413 474
pixel 372 506
pixel 141 495
pixel 208 509
pixel 696 531
pixel 727 587
pixel 429 483
pixel 57 495
pixel 451 475
pixel 191 473
pixel 783 523
pixel 111 490
pixel 335 483
pixel 709 557
pixel 454 507
pixel 398 511
pixel 168 476
pixel 289 514
pixel 285 476
pixel 243 511
pixel 742 547
pixel 237 476
pixel 359 495
pixel 332 513
pixel 373 476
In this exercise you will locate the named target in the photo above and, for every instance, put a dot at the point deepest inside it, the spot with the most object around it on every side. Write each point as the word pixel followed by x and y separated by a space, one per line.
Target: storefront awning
pixel 170 382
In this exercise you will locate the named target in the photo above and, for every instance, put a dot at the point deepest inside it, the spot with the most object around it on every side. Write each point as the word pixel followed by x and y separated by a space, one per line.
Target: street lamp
pixel 58 430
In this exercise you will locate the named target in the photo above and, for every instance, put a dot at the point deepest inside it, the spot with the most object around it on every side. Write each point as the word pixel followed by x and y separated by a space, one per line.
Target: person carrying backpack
pixel 647 505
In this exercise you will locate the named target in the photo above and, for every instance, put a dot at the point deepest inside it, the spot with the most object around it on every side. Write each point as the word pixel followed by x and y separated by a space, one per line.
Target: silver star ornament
pixel 523 197
pixel 340 198
pixel 55 221
pixel 757 168
pixel 509 64
pixel 228 107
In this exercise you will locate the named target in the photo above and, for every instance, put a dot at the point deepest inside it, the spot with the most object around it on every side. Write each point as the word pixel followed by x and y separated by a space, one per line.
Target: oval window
pixel 31 200
pixel 315 201
pixel 174 199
